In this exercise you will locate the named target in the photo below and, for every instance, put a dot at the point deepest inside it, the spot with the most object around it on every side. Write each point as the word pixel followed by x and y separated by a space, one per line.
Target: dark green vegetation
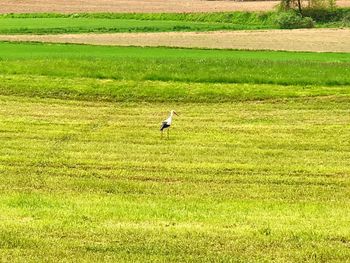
pixel 305 13
pixel 290 20
pixel 82 23
pixel 333 15
pixel 250 172
pixel 311 17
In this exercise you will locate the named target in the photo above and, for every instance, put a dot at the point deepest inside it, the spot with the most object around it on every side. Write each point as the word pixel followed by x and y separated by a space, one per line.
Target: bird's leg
pixel 168 132
pixel 161 134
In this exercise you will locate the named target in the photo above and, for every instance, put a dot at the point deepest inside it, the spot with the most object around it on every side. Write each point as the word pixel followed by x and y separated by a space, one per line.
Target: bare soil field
pixel 316 40
pixel 140 6
pixel 147 6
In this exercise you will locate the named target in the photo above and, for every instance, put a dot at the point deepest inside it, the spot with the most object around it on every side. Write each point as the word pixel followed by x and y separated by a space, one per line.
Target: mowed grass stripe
pixel 83 141
pixel 104 172
pixel 72 133
pixel 250 172
pixel 131 91
pixel 188 70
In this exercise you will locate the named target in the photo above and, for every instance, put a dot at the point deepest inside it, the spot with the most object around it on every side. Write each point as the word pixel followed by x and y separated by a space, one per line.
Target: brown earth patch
pixel 127 6
pixel 316 40
pixel 137 6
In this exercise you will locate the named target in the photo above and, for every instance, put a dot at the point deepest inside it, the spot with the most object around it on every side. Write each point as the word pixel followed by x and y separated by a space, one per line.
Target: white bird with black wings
pixel 167 123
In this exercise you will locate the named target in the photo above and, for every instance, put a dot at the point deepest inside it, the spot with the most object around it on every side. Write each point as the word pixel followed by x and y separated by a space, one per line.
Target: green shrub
pixel 321 15
pixel 346 20
pixel 289 20
pixel 327 15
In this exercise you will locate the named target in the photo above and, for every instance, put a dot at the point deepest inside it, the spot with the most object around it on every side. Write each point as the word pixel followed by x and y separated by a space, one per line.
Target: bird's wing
pixel 164 125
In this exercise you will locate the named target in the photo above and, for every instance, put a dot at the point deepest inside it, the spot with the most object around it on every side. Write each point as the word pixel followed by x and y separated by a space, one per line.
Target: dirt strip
pixel 138 6
pixel 316 40
pixel 122 6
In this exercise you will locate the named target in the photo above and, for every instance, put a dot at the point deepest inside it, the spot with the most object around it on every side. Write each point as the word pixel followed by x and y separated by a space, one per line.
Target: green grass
pixel 183 65
pixel 102 23
pixel 250 172
pixel 22 50
pixel 251 181
pixel 91 89
pixel 48 23
pixel 218 17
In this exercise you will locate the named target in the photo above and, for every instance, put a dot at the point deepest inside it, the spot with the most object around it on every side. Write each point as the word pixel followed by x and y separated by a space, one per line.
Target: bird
pixel 167 123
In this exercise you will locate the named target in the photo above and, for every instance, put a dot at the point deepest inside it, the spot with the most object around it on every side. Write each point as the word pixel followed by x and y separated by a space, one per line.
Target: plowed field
pixel 317 40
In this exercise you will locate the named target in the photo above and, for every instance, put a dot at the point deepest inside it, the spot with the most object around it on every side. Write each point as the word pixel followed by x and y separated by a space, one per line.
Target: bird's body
pixel 167 123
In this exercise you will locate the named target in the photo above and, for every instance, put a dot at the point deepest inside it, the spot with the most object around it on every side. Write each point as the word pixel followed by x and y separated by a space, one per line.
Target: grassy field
pixel 186 65
pixel 82 23
pixel 26 51
pixel 48 23
pixel 251 172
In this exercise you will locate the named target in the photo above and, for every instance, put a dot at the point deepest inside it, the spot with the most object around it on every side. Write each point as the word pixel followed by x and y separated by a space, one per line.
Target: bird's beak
pixel 176 113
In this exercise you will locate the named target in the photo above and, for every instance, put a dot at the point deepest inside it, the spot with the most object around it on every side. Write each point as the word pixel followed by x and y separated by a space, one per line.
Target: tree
pixel 300 4
pixel 292 4
pixel 321 4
